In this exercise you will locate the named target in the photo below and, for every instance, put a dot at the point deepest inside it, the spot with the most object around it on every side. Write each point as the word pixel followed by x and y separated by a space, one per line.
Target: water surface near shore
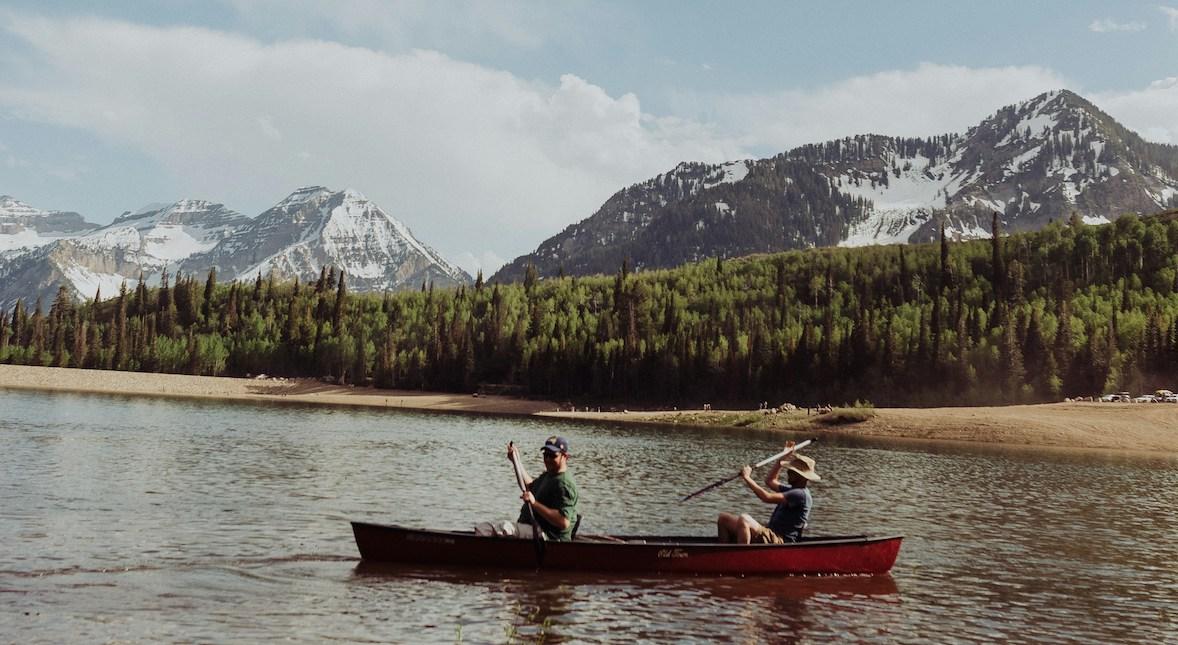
pixel 152 520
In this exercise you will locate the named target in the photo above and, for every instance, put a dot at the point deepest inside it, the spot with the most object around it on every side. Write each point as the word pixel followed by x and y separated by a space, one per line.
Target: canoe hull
pixel 856 555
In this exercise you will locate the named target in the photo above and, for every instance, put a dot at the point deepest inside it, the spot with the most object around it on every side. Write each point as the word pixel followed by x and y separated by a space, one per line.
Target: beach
pixel 1142 427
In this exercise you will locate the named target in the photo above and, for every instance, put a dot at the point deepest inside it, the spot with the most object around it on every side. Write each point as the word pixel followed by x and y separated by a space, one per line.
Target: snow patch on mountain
pixel 111 238
pixel 1037 124
pixel 887 226
pixel 23 239
pixel 728 173
pixel 87 283
pixel 161 237
pixel 916 187
pixel 1019 161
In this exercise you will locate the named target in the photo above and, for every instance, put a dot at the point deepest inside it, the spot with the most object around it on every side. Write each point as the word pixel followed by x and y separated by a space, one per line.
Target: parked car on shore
pixel 1144 398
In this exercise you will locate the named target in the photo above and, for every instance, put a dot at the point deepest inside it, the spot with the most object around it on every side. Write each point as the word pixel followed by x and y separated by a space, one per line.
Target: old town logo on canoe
pixel 672 553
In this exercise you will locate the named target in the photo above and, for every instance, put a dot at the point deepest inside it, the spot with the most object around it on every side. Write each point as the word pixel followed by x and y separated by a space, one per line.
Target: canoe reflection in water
pixel 556 606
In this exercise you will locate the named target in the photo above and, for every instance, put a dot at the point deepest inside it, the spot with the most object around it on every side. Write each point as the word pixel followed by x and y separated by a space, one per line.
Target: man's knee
pixel 504 528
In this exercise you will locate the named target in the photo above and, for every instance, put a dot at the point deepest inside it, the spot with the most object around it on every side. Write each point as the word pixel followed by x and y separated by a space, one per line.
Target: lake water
pixel 145 520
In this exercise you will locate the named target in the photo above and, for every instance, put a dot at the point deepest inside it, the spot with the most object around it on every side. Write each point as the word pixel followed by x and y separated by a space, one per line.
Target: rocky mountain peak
pixel 1048 158
pixel 316 227
pixel 11 207
pixel 24 227
pixel 191 212
pixel 302 196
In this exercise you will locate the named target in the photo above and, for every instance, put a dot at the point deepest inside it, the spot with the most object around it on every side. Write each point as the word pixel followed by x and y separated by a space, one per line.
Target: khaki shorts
pixel 506 528
pixel 765 535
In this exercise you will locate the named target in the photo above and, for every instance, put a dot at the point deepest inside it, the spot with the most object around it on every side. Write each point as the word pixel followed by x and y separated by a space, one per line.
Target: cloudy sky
pixel 490 126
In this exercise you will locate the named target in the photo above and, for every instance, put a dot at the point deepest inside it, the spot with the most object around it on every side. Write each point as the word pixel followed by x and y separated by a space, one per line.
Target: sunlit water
pixel 141 520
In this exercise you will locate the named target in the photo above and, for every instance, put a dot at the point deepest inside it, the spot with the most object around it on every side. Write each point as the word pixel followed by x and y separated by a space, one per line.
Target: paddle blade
pixel 715 484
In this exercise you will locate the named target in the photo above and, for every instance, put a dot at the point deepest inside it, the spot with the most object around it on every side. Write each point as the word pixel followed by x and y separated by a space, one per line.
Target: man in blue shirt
pixel 792 499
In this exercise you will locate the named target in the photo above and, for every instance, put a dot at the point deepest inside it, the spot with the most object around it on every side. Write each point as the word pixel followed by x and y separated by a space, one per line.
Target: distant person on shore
pixel 552 496
pixel 793 501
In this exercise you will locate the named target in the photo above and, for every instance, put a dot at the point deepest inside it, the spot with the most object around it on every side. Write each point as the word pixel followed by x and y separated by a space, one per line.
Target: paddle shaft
pixel 537 538
pixel 779 455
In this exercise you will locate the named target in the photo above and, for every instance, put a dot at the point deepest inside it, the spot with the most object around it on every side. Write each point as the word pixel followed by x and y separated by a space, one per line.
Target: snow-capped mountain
pixel 23 227
pixel 1045 159
pixel 316 227
pixel 136 244
pixel 312 228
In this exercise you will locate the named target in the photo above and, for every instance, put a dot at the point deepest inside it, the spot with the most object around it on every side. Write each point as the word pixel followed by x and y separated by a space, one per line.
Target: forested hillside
pixel 1069 310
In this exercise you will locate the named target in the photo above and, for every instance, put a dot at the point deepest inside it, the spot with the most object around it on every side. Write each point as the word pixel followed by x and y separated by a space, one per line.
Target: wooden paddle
pixel 537 536
pixel 779 455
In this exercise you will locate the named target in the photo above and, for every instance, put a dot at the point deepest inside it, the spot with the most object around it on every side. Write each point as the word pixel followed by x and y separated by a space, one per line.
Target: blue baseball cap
pixel 556 444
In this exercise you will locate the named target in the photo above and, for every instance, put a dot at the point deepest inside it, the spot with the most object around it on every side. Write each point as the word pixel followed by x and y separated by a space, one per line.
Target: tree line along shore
pixel 1071 310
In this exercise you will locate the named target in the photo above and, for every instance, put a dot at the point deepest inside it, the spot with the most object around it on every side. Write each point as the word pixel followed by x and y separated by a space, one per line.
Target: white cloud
pixel 469 157
pixel 1109 25
pixel 1151 112
pixel 1171 15
pixel 401 24
pixel 487 262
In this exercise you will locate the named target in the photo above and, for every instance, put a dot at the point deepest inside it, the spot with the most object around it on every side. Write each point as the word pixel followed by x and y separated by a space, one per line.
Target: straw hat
pixel 803 466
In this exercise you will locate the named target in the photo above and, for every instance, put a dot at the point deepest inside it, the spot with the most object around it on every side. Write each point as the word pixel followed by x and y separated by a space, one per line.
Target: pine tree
pixel 93 357
pixel 165 293
pixel 321 284
pixel 206 311
pixel 139 305
pixel 81 329
pixel 19 320
pixel 998 267
pixel 341 297
pixel 120 340
pixel 5 336
pixel 37 338
pixel 230 317
pixel 1013 375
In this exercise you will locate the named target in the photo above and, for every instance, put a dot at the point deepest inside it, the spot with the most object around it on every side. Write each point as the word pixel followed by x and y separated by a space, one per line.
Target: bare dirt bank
pixel 1117 426
pixel 1149 427
pixel 262 389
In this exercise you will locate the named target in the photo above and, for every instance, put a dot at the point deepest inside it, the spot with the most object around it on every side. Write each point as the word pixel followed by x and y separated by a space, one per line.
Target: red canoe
pixel 845 555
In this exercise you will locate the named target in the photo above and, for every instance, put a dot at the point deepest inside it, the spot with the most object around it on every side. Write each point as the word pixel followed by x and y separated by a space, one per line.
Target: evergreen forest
pixel 1070 310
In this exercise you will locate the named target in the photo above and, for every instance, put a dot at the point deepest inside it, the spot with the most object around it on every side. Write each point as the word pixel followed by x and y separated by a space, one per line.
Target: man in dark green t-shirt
pixel 552 495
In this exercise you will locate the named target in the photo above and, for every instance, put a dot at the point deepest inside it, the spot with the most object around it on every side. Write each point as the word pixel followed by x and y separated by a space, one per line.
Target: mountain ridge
pixel 309 229
pixel 1041 159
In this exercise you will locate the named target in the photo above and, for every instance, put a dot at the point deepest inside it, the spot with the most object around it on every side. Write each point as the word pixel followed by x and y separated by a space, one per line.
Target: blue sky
pixel 489 126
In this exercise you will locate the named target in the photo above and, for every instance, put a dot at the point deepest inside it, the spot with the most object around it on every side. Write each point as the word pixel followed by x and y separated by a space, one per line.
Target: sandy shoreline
pixel 1115 426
